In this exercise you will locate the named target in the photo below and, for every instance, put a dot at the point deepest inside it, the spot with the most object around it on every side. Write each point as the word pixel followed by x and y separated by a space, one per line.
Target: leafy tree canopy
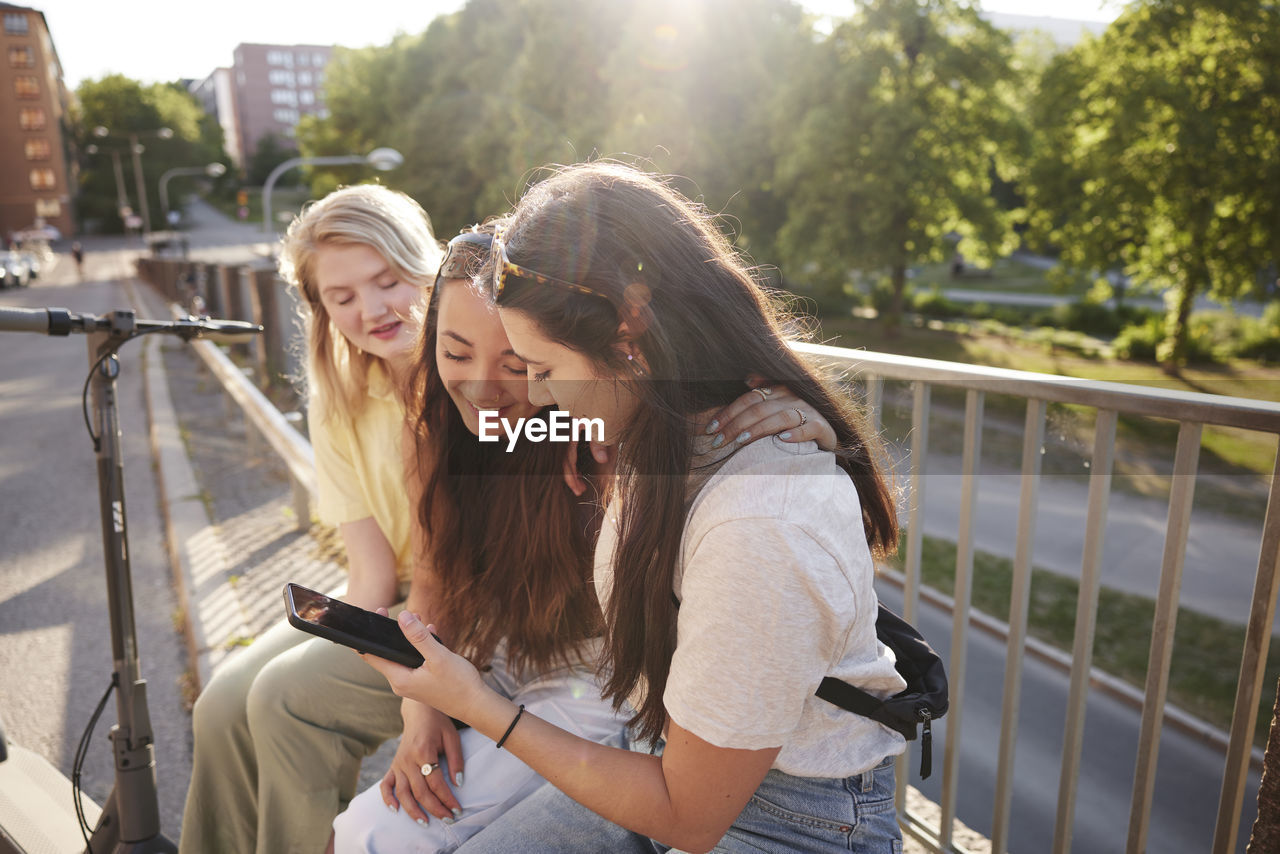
pixel 124 106
pixel 900 124
pixel 1159 149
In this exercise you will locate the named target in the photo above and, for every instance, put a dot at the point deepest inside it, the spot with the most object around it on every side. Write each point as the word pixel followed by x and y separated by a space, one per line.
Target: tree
pixel 1158 147
pixel 695 88
pixel 125 106
pixel 494 91
pixel 269 153
pixel 899 124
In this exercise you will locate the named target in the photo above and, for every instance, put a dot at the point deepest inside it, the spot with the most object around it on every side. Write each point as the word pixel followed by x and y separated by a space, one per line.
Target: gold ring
pixel 764 392
pixel 427 768
pixel 803 420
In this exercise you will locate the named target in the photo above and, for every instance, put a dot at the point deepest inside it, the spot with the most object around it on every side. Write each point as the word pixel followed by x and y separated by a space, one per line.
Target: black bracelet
pixel 514 720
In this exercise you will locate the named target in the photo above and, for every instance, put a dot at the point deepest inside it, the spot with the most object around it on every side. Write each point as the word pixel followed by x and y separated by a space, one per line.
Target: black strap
pixel 848 697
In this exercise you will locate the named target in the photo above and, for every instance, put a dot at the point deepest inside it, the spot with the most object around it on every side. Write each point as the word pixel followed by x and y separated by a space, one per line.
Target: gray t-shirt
pixel 775 590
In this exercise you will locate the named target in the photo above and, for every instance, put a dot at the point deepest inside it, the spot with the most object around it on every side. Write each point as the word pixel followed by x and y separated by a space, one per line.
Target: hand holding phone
pixel 340 622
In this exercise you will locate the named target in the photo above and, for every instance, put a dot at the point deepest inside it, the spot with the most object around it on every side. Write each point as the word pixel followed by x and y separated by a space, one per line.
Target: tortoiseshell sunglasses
pixel 504 270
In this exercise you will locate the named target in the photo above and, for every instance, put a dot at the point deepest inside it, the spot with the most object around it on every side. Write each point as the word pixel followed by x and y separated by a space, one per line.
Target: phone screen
pixel 363 631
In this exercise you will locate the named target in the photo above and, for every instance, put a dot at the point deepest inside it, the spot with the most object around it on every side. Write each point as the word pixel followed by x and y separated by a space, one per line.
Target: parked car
pixel 33 262
pixel 15 268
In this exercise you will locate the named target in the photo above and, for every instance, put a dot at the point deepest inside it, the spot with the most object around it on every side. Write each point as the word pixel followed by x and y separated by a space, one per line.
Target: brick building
pixel 36 182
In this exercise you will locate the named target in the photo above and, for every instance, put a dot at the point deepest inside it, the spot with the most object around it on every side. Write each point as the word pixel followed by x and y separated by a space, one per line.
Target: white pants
pixel 495 780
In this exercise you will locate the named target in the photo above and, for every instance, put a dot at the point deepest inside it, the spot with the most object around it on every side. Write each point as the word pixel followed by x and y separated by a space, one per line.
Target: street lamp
pixel 213 170
pixel 122 199
pixel 382 159
pixel 137 149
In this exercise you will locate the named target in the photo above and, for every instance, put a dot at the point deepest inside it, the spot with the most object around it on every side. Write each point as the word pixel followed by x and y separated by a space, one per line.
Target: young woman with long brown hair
pixel 732 578
pixel 508 549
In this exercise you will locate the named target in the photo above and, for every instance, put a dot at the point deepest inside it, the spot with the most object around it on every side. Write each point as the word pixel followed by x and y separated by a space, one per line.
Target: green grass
pixel 1206 650
pixel 1144 449
pixel 1006 274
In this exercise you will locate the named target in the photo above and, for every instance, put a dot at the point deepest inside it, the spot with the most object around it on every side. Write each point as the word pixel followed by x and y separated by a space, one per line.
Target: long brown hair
pixel 701 323
pixel 509 544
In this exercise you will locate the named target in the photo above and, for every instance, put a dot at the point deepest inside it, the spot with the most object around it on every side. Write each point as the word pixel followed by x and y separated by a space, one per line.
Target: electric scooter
pixel 39 808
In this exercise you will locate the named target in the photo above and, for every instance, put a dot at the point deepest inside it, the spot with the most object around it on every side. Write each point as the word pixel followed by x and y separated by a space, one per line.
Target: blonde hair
pixel 394 226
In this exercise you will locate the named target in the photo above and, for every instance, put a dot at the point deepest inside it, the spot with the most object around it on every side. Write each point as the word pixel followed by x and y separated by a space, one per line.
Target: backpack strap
pixel 851 699
pixel 855 700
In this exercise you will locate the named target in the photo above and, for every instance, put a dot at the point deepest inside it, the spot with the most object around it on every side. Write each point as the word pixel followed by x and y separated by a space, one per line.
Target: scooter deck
pixel 37 814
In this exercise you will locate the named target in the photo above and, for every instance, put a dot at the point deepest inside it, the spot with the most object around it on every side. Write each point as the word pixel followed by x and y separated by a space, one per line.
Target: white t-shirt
pixel 775 590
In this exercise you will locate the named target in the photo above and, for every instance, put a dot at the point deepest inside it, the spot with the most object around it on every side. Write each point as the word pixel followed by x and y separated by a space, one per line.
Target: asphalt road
pixel 1188 776
pixel 55 652
pixel 1221 556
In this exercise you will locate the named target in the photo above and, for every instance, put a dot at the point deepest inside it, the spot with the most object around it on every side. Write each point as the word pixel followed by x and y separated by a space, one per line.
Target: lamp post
pixel 136 149
pixel 213 170
pixel 382 159
pixel 122 199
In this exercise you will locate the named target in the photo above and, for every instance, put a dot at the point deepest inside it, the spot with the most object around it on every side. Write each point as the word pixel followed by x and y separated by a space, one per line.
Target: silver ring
pixel 427 768
pixel 764 392
pixel 803 420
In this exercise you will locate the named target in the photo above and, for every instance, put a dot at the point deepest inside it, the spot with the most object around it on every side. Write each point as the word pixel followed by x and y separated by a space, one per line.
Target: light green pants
pixel 280 731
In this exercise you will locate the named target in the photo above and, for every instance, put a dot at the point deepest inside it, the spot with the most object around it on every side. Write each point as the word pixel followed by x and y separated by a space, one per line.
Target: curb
pixel 196 556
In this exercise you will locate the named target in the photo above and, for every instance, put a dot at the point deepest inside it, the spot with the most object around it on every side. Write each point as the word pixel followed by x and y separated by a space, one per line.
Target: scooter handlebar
pixel 13 319
pixel 60 321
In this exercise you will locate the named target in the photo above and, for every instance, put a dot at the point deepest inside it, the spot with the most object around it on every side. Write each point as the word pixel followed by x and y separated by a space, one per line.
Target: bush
pixel 1260 338
pixel 1215 336
pixel 1138 341
pixel 932 303
pixel 880 296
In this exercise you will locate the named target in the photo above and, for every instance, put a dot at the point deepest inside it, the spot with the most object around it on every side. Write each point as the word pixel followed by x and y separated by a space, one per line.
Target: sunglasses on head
pixel 504 271
pixel 465 255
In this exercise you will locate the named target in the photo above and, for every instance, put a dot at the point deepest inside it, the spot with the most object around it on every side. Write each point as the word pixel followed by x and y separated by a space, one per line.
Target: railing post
pixel 1185 463
pixel 969 464
pixel 219 296
pixel 201 285
pixel 1266 828
pixel 258 313
pixel 1104 442
pixel 921 396
pixel 1253 664
pixel 1019 608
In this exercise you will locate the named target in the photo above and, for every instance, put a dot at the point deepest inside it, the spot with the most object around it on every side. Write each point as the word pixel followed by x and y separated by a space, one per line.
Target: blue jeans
pixel 786 815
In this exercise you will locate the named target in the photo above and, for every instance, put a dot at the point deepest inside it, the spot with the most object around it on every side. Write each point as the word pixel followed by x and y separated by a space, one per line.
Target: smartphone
pixel 335 620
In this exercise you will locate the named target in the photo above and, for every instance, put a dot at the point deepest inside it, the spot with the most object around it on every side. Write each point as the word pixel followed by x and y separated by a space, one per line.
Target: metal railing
pixel 257 295
pixel 1108 400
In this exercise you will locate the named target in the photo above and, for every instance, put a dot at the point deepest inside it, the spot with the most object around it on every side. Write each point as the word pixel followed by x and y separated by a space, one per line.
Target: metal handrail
pixel 1192 411
pixel 1175 404
pixel 294 449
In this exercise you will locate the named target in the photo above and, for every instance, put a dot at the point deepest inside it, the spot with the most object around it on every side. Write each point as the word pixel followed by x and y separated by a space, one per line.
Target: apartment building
pixel 36 184
pixel 273 87
pixel 216 94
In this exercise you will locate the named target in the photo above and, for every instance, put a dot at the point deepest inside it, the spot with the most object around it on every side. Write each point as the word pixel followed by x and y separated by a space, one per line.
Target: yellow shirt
pixel 360 472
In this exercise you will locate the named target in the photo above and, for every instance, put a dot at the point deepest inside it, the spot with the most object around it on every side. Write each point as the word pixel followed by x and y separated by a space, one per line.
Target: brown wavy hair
pixel 509 544
pixel 701 322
